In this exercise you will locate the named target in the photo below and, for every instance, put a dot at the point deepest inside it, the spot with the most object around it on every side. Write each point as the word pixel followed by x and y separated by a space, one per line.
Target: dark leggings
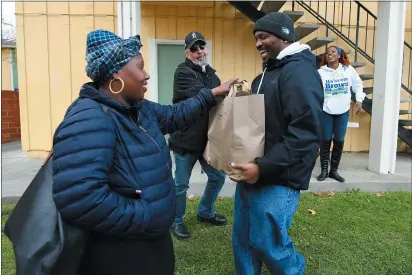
pixel 106 255
pixel 335 126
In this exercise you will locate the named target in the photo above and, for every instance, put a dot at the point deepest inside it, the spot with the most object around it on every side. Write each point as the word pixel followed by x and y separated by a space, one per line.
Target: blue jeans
pixel 263 216
pixel 183 171
pixel 335 125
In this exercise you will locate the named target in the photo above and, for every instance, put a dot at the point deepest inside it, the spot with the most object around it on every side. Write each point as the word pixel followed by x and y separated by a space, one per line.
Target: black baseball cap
pixel 193 37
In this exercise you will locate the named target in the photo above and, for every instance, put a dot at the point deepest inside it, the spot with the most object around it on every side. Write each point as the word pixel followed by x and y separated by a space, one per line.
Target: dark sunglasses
pixel 195 48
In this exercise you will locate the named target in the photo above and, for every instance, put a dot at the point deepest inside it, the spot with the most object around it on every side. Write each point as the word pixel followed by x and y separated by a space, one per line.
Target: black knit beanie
pixel 277 23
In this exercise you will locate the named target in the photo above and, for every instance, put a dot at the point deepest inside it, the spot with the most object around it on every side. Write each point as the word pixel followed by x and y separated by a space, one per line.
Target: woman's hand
pixel 358 107
pixel 224 88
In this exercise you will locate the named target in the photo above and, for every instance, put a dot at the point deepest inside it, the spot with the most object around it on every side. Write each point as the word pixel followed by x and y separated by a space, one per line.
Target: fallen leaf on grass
pixel 191 197
pixel 312 211
pixel 319 194
pixel 219 198
pixel 379 194
pixel 330 194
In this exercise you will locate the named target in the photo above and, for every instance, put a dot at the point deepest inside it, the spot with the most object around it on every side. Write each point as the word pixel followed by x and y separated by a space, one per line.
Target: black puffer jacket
pixel 188 81
pixel 293 106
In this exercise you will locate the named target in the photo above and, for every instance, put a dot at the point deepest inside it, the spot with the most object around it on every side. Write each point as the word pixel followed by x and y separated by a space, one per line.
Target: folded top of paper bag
pixel 241 89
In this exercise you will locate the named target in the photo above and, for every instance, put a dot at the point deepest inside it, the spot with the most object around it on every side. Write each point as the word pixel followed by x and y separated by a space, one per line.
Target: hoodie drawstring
pixel 261 80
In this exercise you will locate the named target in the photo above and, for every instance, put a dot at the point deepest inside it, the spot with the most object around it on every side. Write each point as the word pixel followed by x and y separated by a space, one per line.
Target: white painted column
pixel 120 18
pixel 136 18
pixel 129 20
pixel 390 31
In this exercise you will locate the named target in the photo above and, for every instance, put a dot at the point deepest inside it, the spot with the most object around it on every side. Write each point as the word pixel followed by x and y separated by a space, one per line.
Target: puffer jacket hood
pixel 91 90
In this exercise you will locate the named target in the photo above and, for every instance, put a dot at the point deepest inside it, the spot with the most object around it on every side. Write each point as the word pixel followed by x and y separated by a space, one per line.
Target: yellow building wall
pixel 51 41
pixel 51 70
pixel 6 58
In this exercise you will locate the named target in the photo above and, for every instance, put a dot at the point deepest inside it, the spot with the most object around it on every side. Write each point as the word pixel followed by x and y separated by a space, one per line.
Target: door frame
pixel 152 66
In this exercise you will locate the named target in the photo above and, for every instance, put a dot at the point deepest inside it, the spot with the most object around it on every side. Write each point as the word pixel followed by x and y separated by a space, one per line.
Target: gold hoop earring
pixel 110 86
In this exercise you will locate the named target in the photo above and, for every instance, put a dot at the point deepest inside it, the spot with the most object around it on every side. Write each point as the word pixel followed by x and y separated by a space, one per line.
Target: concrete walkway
pixel 18 170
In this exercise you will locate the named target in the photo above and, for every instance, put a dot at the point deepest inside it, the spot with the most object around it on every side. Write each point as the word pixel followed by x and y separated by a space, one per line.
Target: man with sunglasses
pixel 188 146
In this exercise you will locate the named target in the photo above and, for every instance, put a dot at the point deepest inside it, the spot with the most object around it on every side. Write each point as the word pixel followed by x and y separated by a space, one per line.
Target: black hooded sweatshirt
pixel 293 93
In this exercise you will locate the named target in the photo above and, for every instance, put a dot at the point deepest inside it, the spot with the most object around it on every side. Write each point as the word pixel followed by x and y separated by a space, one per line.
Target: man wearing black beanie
pixel 268 193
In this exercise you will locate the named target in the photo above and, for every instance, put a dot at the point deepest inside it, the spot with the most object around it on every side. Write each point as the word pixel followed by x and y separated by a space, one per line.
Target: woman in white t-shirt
pixel 338 78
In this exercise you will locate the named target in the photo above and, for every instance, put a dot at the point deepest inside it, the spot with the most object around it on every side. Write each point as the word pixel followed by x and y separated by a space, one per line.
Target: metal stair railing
pixel 344 32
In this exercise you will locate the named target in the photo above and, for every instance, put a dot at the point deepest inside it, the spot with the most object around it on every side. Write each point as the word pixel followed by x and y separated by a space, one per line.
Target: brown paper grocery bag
pixel 236 129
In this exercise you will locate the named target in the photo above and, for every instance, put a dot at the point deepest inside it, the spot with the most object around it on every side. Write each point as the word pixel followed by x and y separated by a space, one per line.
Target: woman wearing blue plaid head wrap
pixel 111 165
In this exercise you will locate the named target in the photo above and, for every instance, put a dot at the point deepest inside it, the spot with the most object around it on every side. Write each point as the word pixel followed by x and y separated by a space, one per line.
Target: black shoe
pixel 216 220
pixel 334 175
pixel 180 231
pixel 323 175
pixel 335 160
pixel 324 160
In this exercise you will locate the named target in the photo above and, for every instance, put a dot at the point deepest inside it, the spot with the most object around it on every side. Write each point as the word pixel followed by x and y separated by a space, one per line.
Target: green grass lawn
pixel 351 233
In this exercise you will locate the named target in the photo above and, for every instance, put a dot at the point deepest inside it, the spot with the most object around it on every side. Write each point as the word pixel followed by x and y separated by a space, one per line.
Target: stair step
pixel 405 122
pixel 304 30
pixel 295 15
pixel 318 42
pixel 255 4
pixel 368 90
pixel 271 6
pixel 358 64
pixel 248 9
pixel 405 112
pixel 366 76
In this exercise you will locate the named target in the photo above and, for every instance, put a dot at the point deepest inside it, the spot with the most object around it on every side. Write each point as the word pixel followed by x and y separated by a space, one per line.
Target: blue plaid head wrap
pixel 107 53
